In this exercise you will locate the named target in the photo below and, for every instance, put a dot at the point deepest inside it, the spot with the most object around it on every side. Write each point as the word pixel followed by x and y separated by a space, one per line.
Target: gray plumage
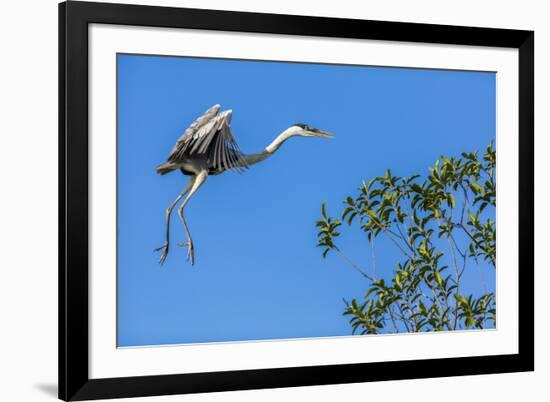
pixel 210 139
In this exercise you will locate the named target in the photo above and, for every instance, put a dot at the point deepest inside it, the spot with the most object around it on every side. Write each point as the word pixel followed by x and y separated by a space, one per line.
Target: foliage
pixel 439 225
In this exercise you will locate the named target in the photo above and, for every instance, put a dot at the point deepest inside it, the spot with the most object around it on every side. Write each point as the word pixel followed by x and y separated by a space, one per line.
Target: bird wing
pixel 196 131
pixel 210 135
pixel 223 151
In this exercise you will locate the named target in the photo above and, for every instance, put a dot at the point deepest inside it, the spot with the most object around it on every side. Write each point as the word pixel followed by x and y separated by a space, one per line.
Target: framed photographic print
pixel 257 200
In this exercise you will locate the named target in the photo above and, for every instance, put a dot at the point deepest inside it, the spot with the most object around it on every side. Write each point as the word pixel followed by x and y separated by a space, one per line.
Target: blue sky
pixel 258 273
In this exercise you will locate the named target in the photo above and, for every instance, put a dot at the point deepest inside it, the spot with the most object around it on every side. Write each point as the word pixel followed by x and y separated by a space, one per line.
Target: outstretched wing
pixel 199 128
pixel 210 136
pixel 223 151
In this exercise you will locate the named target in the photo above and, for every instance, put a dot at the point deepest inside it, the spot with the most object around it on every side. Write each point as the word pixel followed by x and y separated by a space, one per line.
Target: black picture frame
pixel 74 381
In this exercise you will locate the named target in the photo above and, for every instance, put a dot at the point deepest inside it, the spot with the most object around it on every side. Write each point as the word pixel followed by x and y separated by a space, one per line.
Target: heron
pixel 208 148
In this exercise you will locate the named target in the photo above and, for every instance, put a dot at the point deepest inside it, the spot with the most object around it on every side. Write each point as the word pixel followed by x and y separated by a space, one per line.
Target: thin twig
pixel 353 265
pixel 373 255
pixel 390 309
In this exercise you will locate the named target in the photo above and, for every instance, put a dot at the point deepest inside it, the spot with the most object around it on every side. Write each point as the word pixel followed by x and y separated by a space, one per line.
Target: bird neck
pixel 271 148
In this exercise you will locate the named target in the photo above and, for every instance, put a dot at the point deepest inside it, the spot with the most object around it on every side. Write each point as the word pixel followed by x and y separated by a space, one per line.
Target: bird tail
pixel 165 167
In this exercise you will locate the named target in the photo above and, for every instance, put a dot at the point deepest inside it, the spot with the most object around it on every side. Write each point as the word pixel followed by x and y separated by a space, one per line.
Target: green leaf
pixel 451 200
pixel 438 278
pixel 475 187
pixel 398 281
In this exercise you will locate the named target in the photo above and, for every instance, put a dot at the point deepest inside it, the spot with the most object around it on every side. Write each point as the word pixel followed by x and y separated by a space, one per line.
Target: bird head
pixel 307 131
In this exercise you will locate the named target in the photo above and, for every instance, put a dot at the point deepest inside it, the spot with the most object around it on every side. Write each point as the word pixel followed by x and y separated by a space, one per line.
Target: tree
pixel 439 226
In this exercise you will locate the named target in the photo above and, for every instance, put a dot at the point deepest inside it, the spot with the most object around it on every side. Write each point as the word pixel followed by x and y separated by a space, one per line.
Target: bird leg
pixel 164 247
pixel 199 180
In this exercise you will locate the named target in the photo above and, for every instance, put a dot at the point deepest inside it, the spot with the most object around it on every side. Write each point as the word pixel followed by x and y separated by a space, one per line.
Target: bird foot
pixel 190 250
pixel 164 249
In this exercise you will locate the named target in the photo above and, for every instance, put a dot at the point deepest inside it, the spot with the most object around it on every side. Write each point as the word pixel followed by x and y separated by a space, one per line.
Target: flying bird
pixel 208 148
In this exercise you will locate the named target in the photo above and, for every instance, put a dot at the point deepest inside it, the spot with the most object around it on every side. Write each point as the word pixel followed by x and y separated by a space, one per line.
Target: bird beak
pixel 320 133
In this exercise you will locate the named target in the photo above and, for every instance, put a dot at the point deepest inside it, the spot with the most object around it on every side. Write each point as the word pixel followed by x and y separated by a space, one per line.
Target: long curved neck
pixel 271 148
